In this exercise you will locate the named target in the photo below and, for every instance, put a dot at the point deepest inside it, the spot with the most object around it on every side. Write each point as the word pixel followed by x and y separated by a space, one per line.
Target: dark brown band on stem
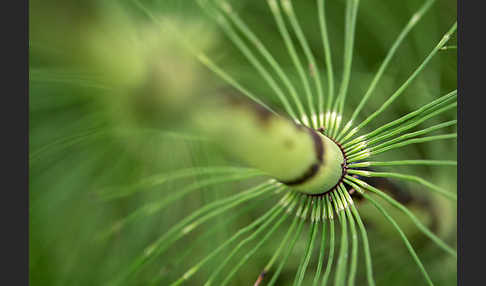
pixel 260 278
pixel 343 174
pixel 314 168
pixel 318 146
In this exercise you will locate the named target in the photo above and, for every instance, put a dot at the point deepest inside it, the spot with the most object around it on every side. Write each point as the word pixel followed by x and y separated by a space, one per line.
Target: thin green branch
pixel 410 135
pixel 251 237
pixel 240 24
pixel 425 110
pixel 404 238
pixel 405 177
pixel 358 147
pixel 343 251
pixel 354 236
pixel 274 7
pixel 152 208
pixel 402 88
pixel 201 56
pixel 240 44
pixel 411 23
pixel 350 27
pixel 366 247
pixel 247 256
pixel 279 250
pixel 404 163
pixel 308 252
pixel 327 54
pixel 322 248
pixel 381 148
pixel 213 229
pixel 187 224
pixel 160 179
pixel 226 77
pixel 292 244
pixel 349 23
pixel 405 210
pixel 330 258
pixel 189 273
pixel 314 68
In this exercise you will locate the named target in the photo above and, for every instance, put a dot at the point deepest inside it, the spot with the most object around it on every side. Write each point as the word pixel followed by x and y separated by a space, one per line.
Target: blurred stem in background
pixel 158 93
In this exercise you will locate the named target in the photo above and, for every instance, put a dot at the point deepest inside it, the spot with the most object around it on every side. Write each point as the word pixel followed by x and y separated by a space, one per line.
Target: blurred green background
pixel 83 141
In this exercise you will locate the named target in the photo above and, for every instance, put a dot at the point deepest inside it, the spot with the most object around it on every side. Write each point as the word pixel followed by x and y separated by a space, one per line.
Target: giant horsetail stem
pixel 295 155
pixel 148 88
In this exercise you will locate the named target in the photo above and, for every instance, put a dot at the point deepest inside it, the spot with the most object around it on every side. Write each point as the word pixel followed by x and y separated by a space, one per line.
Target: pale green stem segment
pixel 330 258
pixel 240 24
pixel 403 236
pixel 350 27
pixel 411 23
pixel 274 7
pixel 327 55
pixel 323 243
pixel 354 235
pixel 421 112
pixel 411 178
pixel 235 38
pixel 303 216
pixel 277 146
pixel 188 224
pixel 251 252
pixel 404 163
pixel 402 88
pixel 349 180
pixel 313 67
pixel 310 246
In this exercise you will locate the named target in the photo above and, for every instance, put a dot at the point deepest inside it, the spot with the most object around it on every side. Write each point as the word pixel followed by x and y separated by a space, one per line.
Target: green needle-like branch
pixel 411 23
pixel 404 238
pixel 402 88
pixel 405 177
pixel 359 184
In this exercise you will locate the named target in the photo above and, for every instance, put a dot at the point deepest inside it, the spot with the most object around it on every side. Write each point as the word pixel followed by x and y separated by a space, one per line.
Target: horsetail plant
pixel 304 154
